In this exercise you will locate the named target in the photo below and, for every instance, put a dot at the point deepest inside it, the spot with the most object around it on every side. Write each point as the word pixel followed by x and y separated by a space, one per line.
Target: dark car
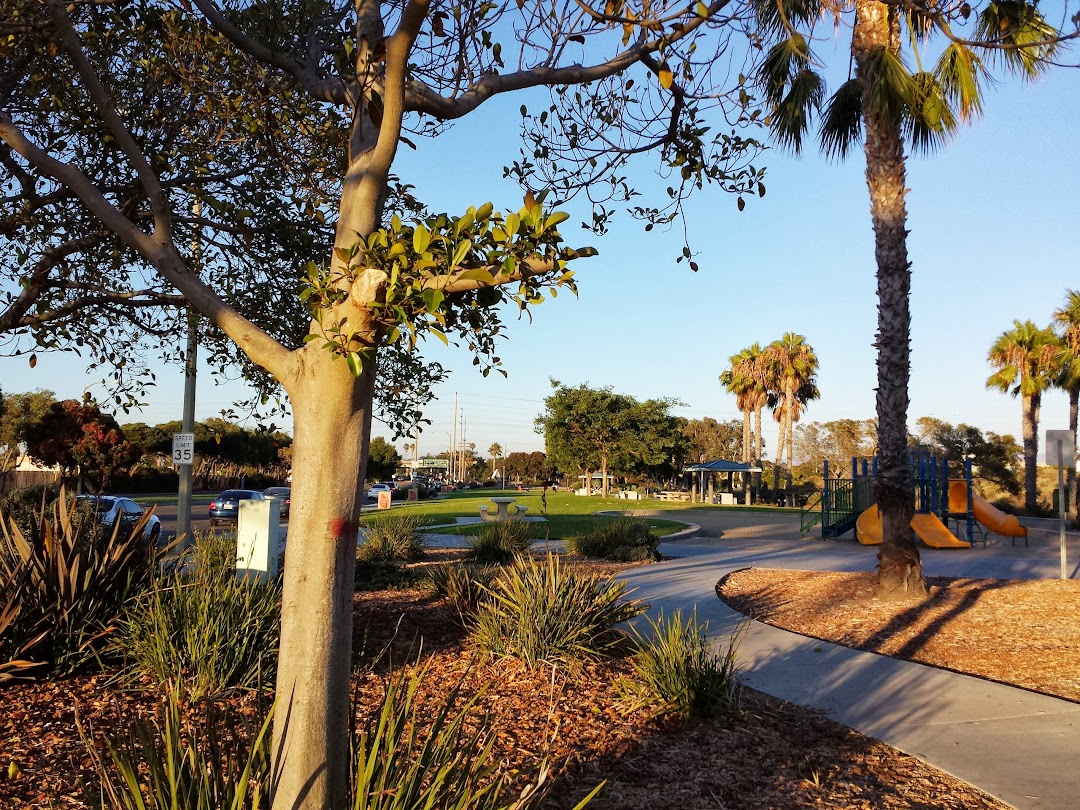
pixel 226 506
pixel 282 495
pixel 111 507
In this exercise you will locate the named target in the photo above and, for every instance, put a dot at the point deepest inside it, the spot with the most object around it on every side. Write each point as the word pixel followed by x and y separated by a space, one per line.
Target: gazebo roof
pixel 721 466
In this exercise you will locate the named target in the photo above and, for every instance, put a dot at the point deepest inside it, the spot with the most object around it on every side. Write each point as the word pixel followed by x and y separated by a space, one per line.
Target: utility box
pixel 258 539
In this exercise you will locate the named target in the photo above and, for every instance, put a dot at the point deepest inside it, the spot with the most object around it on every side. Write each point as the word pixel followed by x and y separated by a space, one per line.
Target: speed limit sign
pixel 183 448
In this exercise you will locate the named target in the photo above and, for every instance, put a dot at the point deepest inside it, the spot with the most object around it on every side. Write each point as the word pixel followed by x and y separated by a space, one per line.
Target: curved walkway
pixel 1021 747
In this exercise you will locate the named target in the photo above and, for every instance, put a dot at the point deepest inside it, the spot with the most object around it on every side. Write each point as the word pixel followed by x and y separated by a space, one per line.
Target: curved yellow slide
pixel 985 512
pixel 868 527
pixel 932 531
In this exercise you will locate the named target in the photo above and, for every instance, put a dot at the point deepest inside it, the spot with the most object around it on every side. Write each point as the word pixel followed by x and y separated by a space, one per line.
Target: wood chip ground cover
pixel 773 755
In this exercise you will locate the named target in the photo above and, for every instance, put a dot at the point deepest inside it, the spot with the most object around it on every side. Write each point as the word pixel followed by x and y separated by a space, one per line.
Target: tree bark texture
pixel 899 564
pixel 1030 428
pixel 1070 480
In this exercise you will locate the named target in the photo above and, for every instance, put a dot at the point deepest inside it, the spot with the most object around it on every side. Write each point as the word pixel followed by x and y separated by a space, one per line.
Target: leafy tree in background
pixel 81 440
pixel 1067 319
pixel 20 412
pixel 716 440
pixel 383 459
pixel 1028 361
pixel 997 457
pixel 886 104
pixel 133 130
pixel 837 442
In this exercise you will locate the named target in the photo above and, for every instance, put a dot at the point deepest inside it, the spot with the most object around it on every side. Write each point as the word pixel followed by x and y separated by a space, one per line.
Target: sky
pixel 993 220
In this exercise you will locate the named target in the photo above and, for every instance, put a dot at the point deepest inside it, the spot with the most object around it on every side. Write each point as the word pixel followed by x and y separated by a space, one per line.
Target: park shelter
pixel 720 466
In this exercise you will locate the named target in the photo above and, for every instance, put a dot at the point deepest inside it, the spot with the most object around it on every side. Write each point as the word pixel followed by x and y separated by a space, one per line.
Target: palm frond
pixel 920 23
pixel 930 121
pixel 778 17
pixel 960 72
pixel 1020 27
pixel 889 90
pixel 792 117
pixel 781 65
pixel 841 125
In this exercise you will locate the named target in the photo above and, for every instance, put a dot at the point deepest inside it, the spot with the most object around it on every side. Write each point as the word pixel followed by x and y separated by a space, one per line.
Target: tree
pixel 495 451
pixel 383 459
pixel 1067 318
pixel 81 440
pixel 889 104
pixel 266 134
pixel 996 456
pixel 792 369
pixel 738 380
pixel 21 412
pixel 1028 360
pixel 837 442
pixel 715 440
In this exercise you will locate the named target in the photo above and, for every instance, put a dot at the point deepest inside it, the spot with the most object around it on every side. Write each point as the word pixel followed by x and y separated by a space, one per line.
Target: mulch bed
pixel 773 755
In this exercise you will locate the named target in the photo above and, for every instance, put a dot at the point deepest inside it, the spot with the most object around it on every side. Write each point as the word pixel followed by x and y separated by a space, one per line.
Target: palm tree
pixel 738 380
pixel 494 451
pixel 1028 360
pixel 793 367
pixel 1068 319
pixel 885 103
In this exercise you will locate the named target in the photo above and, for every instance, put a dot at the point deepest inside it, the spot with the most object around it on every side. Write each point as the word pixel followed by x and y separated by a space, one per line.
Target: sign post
pixel 1059 448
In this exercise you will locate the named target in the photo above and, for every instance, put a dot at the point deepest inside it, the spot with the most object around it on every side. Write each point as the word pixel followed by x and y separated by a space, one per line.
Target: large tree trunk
pixel 1030 428
pixel 746 437
pixel 603 477
pixel 332 422
pixel 899 564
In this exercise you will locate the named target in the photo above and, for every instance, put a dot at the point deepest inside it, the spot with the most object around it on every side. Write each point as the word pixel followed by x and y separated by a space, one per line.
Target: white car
pixel 373 493
pixel 109 508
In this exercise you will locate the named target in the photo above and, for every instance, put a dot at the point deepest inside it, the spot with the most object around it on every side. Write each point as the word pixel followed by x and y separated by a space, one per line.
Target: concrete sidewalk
pixel 1019 746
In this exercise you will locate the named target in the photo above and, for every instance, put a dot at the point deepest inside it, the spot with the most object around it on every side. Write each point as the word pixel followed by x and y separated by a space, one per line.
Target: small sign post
pixel 183 448
pixel 1060 449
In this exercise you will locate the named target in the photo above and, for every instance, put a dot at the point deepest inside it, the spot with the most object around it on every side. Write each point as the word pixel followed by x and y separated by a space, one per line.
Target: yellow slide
pixel 932 531
pixel 985 512
pixel 868 527
pixel 935 533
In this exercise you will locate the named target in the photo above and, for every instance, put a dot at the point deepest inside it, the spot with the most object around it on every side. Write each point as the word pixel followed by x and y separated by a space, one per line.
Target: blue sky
pixel 993 221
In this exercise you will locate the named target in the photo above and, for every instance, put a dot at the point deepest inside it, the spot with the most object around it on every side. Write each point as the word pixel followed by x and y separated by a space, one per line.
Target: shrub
pixel 165 764
pixel 463 585
pixel 202 623
pixel 500 542
pixel 624 539
pixel 539 612
pixel 71 580
pixel 378 575
pixel 394 537
pixel 11 666
pixel 675 672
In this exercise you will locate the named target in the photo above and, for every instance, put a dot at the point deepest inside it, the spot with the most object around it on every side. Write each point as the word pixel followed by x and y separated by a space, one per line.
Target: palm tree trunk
pixel 1030 427
pixel 746 436
pixel 899 564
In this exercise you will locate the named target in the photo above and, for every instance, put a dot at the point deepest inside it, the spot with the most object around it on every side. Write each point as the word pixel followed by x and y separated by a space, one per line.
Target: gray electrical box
pixel 258 539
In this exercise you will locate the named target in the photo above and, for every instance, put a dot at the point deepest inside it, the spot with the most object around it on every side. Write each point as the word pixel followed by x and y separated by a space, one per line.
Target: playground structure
pixel 847 504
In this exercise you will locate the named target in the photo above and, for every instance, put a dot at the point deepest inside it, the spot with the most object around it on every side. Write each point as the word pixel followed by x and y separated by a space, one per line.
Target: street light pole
pixel 183 498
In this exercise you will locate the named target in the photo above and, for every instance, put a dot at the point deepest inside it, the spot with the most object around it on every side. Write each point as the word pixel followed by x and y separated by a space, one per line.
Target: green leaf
pixel 432 299
pixel 439 335
pixel 459 254
pixel 556 218
pixel 421 238
pixel 355 362
pixel 484 211
pixel 477 274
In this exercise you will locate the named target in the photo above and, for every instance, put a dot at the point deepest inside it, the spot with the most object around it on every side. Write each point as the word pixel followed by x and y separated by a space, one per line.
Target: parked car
pixel 282 496
pixel 226 506
pixel 373 492
pixel 111 507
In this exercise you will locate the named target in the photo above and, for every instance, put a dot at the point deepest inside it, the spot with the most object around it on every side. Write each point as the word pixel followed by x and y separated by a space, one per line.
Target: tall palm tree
pixel 1028 360
pixel 886 103
pixel 793 365
pixel 494 451
pixel 738 380
pixel 758 396
pixel 1067 318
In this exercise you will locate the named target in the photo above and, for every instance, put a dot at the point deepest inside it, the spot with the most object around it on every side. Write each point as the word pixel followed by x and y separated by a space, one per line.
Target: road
pixel 200 518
